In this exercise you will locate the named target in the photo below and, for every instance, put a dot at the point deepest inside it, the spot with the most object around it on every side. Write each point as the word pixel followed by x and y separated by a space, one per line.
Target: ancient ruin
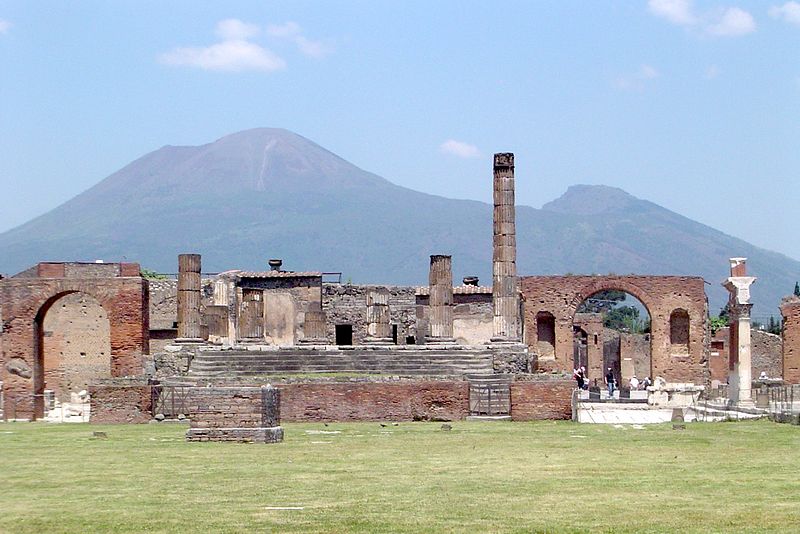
pixel 335 351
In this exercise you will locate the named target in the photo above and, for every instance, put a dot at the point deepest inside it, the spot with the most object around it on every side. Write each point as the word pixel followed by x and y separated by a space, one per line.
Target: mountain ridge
pixel 269 192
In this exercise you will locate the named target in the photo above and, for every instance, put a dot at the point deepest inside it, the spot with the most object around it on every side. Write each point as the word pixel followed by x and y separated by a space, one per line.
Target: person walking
pixel 610 383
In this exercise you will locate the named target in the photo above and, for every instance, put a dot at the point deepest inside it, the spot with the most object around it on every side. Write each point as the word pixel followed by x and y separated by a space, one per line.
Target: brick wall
pixel 533 400
pixel 662 295
pixel 24 303
pixel 375 401
pixel 790 309
pixel 120 402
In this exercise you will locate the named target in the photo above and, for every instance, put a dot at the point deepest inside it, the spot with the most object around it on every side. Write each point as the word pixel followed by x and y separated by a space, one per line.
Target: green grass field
pixel 414 477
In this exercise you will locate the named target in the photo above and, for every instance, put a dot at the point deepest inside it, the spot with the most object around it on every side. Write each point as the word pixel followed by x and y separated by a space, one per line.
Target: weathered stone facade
pixel 790 310
pixel 345 304
pixel 765 349
pixel 559 297
pixel 25 300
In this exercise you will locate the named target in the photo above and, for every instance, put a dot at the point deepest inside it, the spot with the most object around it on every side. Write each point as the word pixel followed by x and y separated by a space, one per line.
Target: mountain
pixel 267 193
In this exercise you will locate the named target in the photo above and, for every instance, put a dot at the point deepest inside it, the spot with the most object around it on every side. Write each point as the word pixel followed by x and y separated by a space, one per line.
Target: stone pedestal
pixel 441 300
pixel 505 293
pixel 247 414
pixel 379 328
pixel 189 328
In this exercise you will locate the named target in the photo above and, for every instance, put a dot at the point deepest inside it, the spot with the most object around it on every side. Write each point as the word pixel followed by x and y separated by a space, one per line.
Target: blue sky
pixel 692 105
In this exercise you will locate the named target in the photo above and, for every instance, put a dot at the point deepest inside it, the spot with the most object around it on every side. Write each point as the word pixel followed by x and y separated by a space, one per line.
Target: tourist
pixel 646 383
pixel 610 382
pixel 579 377
pixel 763 376
pixel 585 379
pixel 634 382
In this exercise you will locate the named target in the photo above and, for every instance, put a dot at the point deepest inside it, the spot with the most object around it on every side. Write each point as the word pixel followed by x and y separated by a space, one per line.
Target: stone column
pixel 189 298
pixel 441 300
pixel 315 328
pixel 379 328
pixel 505 295
pixel 740 366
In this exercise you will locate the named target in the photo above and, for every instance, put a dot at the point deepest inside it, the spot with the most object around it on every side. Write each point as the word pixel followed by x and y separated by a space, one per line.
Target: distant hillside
pixel 271 193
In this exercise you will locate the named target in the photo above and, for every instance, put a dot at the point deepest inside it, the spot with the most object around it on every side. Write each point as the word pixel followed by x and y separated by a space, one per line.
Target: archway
pixel 611 329
pixel 73 348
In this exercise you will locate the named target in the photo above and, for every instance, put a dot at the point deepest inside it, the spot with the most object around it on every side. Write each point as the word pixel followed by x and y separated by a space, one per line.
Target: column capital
pixel 504 159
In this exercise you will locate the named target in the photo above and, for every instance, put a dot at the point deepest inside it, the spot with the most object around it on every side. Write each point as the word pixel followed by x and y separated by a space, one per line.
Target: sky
pixel 693 105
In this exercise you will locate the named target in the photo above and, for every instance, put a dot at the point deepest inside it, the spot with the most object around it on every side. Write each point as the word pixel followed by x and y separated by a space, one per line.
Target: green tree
pixel 147 274
pixel 715 323
pixel 797 289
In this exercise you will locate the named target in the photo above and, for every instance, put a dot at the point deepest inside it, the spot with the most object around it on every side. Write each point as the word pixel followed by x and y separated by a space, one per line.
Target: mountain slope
pixel 268 193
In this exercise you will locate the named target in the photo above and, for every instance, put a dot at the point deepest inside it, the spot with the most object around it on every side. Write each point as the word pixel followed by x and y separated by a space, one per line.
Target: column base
pixel 378 341
pixel 188 340
pixel 440 340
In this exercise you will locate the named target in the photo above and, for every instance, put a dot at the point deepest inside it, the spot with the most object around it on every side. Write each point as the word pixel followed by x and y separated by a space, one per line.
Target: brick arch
pixel 561 296
pixel 25 299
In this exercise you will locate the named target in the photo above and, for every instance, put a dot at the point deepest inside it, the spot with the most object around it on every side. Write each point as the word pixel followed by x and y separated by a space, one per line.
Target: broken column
pixel 441 300
pixel 505 295
pixel 189 329
pixel 379 328
pixel 740 363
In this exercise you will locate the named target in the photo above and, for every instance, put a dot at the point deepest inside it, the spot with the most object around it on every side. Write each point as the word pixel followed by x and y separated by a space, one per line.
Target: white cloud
pixel 712 73
pixel 676 11
pixel 293 32
pixel 724 22
pixel 789 12
pixel 236 30
pixel 235 53
pixel 460 149
pixel 232 56
pixel 637 80
pixel 4 26
pixel 734 22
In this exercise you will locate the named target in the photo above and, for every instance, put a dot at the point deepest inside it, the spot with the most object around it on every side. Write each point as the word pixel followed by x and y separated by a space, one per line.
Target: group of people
pixel 579 375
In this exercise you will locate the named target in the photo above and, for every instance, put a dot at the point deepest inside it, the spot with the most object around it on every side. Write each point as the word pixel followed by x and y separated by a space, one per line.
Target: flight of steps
pixel 385 361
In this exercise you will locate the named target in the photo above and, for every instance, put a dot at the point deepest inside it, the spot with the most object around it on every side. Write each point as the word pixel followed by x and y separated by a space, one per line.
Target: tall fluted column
pixel 505 294
pixel 379 328
pixel 189 297
pixel 740 377
pixel 441 300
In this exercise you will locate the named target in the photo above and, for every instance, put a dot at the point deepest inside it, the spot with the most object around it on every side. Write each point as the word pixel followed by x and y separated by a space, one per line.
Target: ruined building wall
pixel 347 304
pixel 25 301
pixel 76 345
pixel 790 309
pixel 662 295
pixel 473 315
pixel 164 310
pixel 765 350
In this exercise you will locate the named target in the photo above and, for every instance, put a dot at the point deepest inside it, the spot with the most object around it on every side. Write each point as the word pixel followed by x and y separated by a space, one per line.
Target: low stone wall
pixel 533 400
pixel 244 414
pixel 120 401
pixel 375 401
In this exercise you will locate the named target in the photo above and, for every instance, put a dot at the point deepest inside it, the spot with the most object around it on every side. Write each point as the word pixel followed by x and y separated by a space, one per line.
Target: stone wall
pixel 120 401
pixel 76 345
pixel 661 295
pixel 765 350
pixel 533 400
pixel 347 304
pixel 473 314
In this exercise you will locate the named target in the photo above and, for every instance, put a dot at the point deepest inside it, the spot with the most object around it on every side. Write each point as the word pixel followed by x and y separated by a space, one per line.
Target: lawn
pixel 413 477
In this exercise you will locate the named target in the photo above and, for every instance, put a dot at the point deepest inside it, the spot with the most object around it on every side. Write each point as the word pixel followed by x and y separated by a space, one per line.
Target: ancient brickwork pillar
pixel 505 295
pixel 790 310
pixel 379 328
pixel 189 298
pixel 441 300
pixel 740 378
